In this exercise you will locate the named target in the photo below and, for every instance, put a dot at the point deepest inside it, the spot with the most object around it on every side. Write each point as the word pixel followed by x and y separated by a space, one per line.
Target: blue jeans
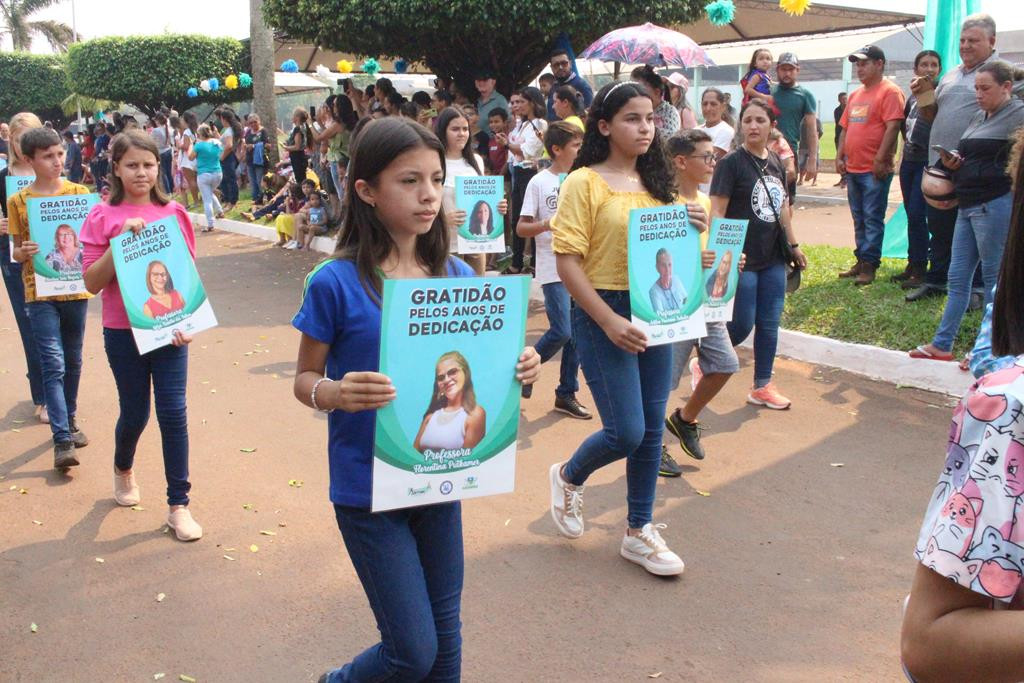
pixel 869 198
pixel 558 305
pixel 59 330
pixel 166 173
pixel 274 207
pixel 211 205
pixel 760 296
pixel 16 293
pixel 917 212
pixel 229 180
pixel 630 391
pixel 411 567
pixel 256 180
pixel 980 235
pixel 166 369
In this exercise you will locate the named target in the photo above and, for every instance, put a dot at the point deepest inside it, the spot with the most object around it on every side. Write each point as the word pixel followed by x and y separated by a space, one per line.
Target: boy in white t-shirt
pixel 562 141
pixel 693 155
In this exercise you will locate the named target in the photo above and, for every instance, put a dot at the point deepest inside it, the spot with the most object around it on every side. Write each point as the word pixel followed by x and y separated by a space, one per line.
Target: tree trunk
pixel 261 40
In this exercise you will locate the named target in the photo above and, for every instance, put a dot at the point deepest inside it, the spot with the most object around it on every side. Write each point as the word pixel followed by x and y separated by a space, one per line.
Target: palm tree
pixel 15 23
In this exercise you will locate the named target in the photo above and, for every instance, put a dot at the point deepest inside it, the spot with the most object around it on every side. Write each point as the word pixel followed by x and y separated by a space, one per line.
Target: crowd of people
pixel 381 169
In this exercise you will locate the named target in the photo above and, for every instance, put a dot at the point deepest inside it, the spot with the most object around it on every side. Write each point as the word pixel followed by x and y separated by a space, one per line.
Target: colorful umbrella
pixel 648 44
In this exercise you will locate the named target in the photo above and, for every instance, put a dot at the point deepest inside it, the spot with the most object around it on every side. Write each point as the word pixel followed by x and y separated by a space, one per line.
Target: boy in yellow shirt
pixel 58 322
pixel 693 155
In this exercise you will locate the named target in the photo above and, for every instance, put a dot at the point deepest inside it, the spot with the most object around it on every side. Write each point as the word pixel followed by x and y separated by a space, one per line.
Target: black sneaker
pixel 571 407
pixel 688 434
pixel 669 467
pixel 527 390
pixel 78 437
pixel 64 455
pixel 976 302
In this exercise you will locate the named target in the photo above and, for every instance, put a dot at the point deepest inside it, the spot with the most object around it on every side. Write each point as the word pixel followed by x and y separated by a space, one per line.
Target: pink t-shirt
pixel 103 223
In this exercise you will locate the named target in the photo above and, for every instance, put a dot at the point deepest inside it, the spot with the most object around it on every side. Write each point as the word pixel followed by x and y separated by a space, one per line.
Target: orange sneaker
pixel 769 397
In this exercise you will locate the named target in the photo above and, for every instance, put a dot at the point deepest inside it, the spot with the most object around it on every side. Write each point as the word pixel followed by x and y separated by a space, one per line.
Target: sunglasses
pixel 560 63
pixel 451 374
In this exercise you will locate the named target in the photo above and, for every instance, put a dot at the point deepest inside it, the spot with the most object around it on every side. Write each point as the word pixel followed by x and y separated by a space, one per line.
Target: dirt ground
pixel 797 530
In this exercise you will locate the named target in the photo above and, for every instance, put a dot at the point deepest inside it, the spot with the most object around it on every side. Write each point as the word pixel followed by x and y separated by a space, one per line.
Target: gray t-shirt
pixel 957 106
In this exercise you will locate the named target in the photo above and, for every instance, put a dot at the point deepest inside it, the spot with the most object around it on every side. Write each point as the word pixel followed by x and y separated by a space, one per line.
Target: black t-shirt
pixel 737 178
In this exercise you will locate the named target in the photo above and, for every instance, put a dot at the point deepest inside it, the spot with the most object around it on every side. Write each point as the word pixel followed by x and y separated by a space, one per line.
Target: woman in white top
pixel 713 106
pixel 526 147
pixel 164 138
pixel 185 125
pixel 452 128
pixel 453 419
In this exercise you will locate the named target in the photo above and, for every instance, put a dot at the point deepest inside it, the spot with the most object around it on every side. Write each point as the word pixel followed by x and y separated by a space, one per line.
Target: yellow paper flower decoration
pixel 344 66
pixel 794 8
pixel 231 82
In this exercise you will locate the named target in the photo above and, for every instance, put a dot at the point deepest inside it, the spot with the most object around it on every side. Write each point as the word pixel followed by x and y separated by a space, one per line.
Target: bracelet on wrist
pixel 312 394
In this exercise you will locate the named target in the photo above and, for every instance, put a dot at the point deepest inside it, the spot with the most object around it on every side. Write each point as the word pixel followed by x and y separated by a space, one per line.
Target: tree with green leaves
pixel 16 24
pixel 35 83
pixel 148 72
pixel 457 37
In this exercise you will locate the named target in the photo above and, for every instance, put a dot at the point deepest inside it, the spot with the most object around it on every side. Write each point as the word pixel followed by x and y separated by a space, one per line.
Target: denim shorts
pixel 715 354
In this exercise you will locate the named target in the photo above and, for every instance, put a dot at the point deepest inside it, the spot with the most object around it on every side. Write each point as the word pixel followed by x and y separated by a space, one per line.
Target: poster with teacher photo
pixel 55 223
pixel 726 240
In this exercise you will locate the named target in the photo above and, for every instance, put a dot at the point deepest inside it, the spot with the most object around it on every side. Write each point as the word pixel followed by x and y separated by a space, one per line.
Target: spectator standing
pixel 568 107
pixel 666 117
pixel 797 113
pixel 299 140
pixel 231 134
pixel 256 140
pixel 837 115
pixel 526 147
pixel 871 126
pixel 100 161
pixel 164 138
pixel 489 100
pixel 561 69
pixel 73 160
pixel 678 85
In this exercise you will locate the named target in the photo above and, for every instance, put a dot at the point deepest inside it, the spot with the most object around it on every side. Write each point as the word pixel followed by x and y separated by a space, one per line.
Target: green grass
pixel 827 142
pixel 876 314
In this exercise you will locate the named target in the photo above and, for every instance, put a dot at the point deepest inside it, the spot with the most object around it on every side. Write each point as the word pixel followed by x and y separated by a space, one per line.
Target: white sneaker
pixel 185 528
pixel 650 552
pixel 566 504
pixel 126 491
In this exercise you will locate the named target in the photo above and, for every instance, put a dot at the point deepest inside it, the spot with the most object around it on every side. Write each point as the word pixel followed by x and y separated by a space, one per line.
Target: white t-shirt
pixel 721 138
pixel 530 136
pixel 540 202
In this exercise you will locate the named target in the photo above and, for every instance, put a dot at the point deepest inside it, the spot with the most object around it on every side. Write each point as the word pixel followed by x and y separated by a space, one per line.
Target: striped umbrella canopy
pixel 648 44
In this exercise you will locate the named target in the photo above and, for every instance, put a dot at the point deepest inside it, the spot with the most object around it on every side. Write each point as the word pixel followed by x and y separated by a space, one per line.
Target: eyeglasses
pixel 451 374
pixel 157 273
pixel 708 158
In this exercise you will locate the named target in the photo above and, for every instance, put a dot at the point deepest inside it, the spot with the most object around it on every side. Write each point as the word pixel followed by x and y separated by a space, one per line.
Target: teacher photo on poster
pixel 67 252
pixel 453 419
pixel 481 221
pixel 667 293
pixel 165 298
pixel 718 284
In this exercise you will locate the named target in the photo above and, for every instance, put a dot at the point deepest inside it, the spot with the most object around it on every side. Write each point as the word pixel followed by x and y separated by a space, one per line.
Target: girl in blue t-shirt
pixel 409 560
pixel 757 82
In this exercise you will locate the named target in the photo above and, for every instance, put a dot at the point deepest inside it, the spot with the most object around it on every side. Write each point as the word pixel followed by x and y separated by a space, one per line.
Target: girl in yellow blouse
pixel 621 166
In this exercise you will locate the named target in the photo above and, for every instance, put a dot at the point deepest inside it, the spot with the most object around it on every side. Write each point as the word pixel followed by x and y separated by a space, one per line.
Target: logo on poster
pixel 446 487
pixel 470 483
pixel 759 199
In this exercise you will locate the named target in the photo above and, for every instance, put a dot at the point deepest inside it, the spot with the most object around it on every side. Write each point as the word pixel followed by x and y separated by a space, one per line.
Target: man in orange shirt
pixel 867 145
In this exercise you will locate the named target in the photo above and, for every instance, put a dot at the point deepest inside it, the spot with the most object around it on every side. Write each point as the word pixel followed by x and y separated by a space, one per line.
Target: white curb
pixel 874 362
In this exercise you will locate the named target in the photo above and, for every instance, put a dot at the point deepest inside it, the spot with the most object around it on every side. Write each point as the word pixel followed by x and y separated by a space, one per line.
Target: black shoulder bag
pixel 792 269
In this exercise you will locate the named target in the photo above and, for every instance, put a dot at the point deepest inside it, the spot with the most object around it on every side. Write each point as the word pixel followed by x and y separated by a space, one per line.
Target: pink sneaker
pixel 696 374
pixel 769 397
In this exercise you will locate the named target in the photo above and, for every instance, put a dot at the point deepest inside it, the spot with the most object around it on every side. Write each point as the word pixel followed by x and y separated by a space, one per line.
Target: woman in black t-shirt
pixel 750 183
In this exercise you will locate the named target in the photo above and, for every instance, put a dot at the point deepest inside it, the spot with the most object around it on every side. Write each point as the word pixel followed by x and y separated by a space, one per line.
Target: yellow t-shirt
pixel 704 201
pixel 17 217
pixel 576 121
pixel 592 221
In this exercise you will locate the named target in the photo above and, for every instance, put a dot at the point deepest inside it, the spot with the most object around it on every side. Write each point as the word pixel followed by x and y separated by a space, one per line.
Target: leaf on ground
pixel 16 430
pixel 160 597
pixel 228 557
pixel 37 522
pixel 23 491
pixel 254 548
pixel 281 524
pixel 137 508
pixel 13 487
pixel 295 483
pixel 166 530
pixel 33 628
pixel 702 493
pixel 100 560
pixel 186 678
pixel 836 464
pixel 507 521
pixel 268 533
pixel 247 506
pixel 213 391
pixel 18 422
pixel 247 450
pixel 657 674
pixel 158 676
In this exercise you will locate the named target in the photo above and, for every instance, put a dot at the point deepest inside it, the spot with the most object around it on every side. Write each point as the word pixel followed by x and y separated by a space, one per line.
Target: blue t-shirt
pixel 317 215
pixel 207 157
pixel 336 310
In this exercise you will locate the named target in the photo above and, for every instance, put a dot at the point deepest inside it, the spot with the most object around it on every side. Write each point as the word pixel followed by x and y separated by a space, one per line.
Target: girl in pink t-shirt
pixel 137 199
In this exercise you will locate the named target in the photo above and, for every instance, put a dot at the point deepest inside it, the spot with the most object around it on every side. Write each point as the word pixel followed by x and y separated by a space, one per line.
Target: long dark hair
pixel 485 228
pixel 535 98
pixel 647 74
pixel 344 113
pixel 438 400
pixel 444 119
pixel 228 115
pixel 1008 306
pixel 364 240
pixel 134 139
pixel 567 93
pixel 652 166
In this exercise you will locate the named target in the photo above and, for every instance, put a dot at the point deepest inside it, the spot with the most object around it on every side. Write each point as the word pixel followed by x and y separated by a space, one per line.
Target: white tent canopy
pixel 287 82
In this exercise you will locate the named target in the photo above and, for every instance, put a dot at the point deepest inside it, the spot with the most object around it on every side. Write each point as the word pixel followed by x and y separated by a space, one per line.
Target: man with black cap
pixel 867 147
pixel 797 117
pixel 489 99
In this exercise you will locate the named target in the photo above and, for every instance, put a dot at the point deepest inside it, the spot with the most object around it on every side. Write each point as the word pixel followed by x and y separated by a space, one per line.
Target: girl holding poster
pixel 19 174
pixel 620 167
pixel 394 228
pixel 750 183
pixel 136 199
